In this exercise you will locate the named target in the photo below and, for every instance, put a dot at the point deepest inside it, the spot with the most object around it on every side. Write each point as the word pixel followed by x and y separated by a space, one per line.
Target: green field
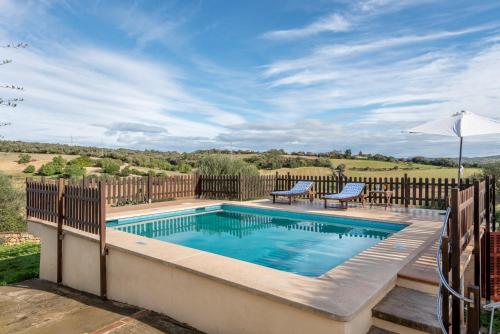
pixel 354 168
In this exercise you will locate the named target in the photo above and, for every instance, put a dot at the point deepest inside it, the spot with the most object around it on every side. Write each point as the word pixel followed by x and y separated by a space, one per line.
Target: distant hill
pixel 482 160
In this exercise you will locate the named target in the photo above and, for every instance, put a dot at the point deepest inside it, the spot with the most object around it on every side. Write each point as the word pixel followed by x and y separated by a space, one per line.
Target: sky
pixel 292 74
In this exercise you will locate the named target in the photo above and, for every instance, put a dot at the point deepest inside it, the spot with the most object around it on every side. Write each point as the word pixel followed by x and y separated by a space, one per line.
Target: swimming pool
pixel 300 243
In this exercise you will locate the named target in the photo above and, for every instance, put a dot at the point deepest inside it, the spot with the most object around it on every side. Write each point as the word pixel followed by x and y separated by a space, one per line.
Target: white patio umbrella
pixel 461 124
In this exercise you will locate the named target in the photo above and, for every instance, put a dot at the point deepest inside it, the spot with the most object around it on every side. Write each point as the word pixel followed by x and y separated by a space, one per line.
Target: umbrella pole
pixel 460 161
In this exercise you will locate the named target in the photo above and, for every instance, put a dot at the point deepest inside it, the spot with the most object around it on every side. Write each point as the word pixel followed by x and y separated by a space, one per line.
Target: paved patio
pixel 393 213
pixel 40 307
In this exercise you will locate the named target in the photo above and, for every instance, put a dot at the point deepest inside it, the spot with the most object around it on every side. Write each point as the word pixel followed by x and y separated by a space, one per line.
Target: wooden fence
pixel 470 220
pixel 235 187
pixel 135 190
pixel 406 191
pixel 75 205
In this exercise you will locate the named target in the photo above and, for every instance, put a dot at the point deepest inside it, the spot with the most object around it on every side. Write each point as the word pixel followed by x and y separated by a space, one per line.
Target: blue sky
pixel 298 75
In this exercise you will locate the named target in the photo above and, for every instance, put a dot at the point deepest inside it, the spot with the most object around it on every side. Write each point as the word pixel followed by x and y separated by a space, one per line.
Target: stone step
pixel 423 267
pixel 409 308
pixel 376 330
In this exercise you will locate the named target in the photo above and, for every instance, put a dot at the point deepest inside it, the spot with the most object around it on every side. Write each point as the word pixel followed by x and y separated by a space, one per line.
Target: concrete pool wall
pixel 216 294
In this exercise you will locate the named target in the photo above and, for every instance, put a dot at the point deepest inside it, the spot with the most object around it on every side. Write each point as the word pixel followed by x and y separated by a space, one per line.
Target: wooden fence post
pixel 150 187
pixel 276 181
pixel 102 239
pixel 406 190
pixel 474 310
pixel 487 240
pixel 493 200
pixel 240 195
pixel 60 217
pixel 477 242
pixel 455 260
pixel 289 180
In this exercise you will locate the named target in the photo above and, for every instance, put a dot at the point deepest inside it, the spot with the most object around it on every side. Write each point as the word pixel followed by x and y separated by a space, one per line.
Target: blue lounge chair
pixel 350 192
pixel 300 188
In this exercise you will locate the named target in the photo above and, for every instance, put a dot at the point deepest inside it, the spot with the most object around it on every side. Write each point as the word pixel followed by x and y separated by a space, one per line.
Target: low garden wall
pixel 14 238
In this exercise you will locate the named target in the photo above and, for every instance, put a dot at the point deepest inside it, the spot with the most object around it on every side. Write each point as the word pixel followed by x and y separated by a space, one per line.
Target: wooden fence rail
pixel 134 190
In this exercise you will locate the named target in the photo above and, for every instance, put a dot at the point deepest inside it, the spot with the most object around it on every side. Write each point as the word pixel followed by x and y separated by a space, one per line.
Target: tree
pixel 11 101
pixel 341 168
pixel 217 164
pixel 11 206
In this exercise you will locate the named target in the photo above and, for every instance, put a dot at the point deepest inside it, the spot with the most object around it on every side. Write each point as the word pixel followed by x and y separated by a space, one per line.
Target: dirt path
pixel 37 306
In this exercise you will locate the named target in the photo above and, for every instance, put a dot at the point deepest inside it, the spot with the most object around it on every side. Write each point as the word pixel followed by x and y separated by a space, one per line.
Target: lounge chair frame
pixel 310 193
pixel 344 202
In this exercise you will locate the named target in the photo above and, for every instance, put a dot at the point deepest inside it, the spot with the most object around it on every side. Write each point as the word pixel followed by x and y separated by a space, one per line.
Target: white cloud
pixel 328 53
pixel 381 5
pixel 84 85
pixel 331 23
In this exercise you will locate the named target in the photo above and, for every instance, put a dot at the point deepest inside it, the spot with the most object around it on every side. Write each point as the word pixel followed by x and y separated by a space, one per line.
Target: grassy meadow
pixel 19 262
pixel 9 165
pixel 355 168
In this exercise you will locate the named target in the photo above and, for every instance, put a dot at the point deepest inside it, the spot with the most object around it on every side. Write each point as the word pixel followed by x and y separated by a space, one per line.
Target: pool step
pixel 376 330
pixel 420 274
pixel 406 310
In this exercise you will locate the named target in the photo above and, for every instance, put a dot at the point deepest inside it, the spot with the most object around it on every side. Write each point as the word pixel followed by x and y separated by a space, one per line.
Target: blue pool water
pixel 300 243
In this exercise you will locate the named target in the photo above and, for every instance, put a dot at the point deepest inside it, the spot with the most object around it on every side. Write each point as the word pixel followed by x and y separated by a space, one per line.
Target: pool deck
pixel 340 294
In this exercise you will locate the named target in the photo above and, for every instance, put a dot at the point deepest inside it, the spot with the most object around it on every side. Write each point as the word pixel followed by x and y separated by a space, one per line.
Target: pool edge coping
pixel 337 313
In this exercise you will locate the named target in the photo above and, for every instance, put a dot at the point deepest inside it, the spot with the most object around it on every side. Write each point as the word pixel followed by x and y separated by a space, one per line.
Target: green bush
pixel 59 164
pixel 29 169
pixel 493 169
pixel 135 171
pixel 48 169
pixel 124 172
pixel 11 206
pixel 74 171
pixel 323 162
pixel 217 164
pixel 24 158
pixel 84 161
pixel 184 168
pixel 55 167
pixel 109 166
